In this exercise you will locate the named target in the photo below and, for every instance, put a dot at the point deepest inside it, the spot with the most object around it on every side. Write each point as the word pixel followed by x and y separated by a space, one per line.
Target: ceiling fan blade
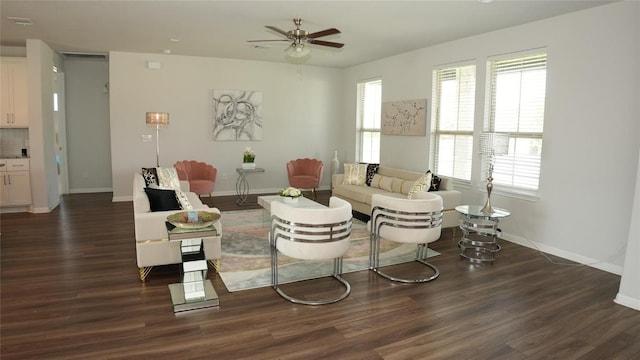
pixel 326 43
pixel 266 40
pixel 278 30
pixel 322 33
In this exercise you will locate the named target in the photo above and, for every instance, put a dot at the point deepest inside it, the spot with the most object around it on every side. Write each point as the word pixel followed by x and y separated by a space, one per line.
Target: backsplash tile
pixel 12 141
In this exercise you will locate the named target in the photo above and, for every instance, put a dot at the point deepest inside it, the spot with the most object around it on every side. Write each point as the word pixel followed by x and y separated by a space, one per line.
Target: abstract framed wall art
pixel 407 117
pixel 237 115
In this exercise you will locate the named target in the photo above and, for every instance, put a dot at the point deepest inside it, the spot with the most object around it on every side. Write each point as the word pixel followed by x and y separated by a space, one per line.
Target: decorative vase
pixel 335 164
pixel 248 166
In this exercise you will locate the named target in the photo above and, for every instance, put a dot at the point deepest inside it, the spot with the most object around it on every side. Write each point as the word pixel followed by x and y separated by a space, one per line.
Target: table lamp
pixel 492 144
pixel 157 120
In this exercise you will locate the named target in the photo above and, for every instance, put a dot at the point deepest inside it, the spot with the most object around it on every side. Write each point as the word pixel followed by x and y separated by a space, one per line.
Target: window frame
pixel 489 124
pixel 362 131
pixel 436 120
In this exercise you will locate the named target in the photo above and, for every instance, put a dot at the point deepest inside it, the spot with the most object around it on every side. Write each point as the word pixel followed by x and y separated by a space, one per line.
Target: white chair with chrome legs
pixel 417 221
pixel 311 234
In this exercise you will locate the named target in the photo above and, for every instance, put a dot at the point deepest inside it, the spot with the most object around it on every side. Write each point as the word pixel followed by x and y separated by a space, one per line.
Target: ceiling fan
pixel 299 38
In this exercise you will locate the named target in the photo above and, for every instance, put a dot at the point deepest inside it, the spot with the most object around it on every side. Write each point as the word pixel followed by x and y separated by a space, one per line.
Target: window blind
pixel 369 108
pixel 454 91
pixel 517 88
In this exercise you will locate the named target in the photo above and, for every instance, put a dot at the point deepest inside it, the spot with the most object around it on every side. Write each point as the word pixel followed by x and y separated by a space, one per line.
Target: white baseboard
pixel 627 301
pixel 595 263
pixel 89 190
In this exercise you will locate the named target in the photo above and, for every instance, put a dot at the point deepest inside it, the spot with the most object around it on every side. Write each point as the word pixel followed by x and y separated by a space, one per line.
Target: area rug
pixel 245 262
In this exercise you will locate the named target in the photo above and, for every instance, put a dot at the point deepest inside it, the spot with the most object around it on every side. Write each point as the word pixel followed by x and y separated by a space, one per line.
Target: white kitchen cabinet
pixel 15 182
pixel 13 91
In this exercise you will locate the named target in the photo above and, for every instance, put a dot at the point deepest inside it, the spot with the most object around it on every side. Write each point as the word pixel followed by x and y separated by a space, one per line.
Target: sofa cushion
pixel 355 174
pixel 162 200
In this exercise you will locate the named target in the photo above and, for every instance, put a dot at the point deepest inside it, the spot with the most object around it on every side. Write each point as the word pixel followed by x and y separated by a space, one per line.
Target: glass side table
pixel 195 291
pixel 480 232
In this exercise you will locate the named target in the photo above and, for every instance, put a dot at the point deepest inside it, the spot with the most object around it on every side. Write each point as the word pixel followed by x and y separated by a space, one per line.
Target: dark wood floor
pixel 70 290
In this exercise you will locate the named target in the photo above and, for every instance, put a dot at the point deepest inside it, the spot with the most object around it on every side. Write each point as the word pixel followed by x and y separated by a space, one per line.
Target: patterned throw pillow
pixel 354 174
pixel 435 183
pixel 422 184
pixel 372 169
pixel 150 176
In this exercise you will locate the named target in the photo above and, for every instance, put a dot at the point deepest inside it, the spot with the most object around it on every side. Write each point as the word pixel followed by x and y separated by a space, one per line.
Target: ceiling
pixel 370 29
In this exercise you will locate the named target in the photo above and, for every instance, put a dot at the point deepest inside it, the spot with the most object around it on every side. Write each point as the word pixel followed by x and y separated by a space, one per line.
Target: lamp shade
pixel 298 51
pixel 494 143
pixel 157 119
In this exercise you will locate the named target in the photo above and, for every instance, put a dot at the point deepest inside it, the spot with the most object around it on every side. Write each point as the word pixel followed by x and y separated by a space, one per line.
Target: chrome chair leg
pixel 337 274
pixel 421 255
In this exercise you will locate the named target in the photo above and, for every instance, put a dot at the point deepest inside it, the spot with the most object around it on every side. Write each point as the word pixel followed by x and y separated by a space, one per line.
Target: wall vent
pixel 83 55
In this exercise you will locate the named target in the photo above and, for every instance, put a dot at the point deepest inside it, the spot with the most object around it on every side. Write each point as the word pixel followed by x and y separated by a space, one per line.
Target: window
pixel 454 91
pixel 516 96
pixel 368 121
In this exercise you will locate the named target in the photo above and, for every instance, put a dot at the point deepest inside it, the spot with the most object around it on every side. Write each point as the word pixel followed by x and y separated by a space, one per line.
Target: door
pixel 60 132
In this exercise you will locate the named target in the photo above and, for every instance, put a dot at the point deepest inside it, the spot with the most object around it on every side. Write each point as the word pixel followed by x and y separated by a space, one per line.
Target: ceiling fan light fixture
pixel 298 51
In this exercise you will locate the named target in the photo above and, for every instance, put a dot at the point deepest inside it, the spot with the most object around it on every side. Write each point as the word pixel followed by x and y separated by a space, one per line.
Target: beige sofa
pixel 360 195
pixel 152 246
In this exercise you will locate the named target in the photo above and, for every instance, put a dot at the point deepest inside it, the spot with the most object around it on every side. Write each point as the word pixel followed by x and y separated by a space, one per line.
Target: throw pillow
pixel 150 176
pixel 375 182
pixel 372 169
pixel 386 183
pixel 354 174
pixel 168 180
pixel 396 184
pixel 162 200
pixel 422 184
pixel 435 183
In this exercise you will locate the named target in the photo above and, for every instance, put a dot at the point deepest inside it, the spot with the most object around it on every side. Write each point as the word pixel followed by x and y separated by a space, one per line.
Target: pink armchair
pixel 305 174
pixel 201 176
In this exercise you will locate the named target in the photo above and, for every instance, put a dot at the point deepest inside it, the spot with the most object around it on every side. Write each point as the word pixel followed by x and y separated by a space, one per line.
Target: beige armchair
pixel 311 234
pixel 416 221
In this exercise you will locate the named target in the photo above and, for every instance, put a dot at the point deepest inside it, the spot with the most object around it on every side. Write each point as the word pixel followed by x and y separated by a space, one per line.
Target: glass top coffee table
pixel 301 202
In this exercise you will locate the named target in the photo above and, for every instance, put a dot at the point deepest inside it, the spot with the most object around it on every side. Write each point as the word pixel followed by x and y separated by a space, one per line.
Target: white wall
pixel 302 110
pixel 629 294
pixel 87 124
pixel 591 140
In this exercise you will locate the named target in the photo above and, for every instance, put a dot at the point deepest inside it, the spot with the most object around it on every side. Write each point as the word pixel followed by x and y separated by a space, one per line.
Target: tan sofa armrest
pixel 184 186
pixel 446 183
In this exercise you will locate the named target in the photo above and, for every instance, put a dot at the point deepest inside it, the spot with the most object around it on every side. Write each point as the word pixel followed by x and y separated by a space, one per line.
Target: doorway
pixel 60 132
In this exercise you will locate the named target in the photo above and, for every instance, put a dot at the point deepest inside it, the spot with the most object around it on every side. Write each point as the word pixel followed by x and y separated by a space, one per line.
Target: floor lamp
pixel 157 120
pixel 492 144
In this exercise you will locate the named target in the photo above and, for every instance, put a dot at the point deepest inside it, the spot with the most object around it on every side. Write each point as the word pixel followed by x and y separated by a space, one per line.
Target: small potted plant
pixel 248 159
pixel 290 194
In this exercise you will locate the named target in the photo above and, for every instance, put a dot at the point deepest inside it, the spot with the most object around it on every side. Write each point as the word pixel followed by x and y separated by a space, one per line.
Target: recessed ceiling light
pixel 174 39
pixel 166 51
pixel 20 21
pixel 485 1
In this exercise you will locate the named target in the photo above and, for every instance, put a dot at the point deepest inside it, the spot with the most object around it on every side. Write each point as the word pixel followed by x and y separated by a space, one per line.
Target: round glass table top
pixel 476 211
